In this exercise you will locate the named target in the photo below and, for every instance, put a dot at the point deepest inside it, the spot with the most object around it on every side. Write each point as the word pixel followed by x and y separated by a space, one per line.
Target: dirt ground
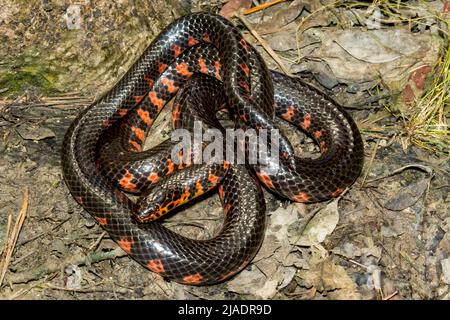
pixel 387 237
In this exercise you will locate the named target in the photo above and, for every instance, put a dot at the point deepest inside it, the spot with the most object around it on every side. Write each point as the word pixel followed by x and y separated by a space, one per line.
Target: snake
pixel 102 152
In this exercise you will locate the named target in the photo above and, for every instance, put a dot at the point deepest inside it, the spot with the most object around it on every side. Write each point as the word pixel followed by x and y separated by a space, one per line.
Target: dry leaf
pixel 321 225
pixel 232 6
pixel 332 280
pixel 34 132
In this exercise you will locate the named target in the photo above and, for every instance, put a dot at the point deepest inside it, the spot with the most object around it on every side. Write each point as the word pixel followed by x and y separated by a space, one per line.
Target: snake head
pixel 159 201
pixel 151 206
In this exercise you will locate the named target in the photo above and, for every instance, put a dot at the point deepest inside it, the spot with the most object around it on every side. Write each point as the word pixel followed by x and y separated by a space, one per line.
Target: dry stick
pixel 121 291
pixel 91 288
pixel 369 165
pixel 262 6
pixel 55 266
pixel 358 264
pixel 18 260
pixel 15 234
pixel 22 291
pixel 96 243
pixel 389 297
pixel 263 43
pixel 25 241
pixel 8 229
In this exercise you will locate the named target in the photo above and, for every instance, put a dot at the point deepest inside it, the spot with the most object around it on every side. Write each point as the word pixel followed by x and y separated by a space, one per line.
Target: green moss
pixel 25 72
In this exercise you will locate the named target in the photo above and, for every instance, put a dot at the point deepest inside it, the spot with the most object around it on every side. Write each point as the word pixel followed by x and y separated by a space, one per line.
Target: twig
pixel 262 6
pixel 25 241
pixel 11 244
pixel 358 264
pixel 369 165
pixel 389 297
pixel 419 166
pixel 90 289
pixel 263 43
pixel 27 288
pixel 18 260
pixel 51 267
pixel 95 244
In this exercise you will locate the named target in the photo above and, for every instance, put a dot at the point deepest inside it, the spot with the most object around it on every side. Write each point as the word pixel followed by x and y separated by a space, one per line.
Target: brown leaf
pixel 332 279
pixel 419 75
pixel 232 6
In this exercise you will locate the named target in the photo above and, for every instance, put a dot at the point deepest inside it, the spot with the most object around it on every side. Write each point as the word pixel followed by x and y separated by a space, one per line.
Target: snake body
pixel 102 150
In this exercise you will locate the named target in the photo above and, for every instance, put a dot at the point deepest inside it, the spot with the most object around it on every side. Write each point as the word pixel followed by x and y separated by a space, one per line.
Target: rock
pixel 68 47
pixel 445 264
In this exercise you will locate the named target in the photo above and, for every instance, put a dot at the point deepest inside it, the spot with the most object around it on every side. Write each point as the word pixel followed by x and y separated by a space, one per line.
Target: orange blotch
pixel 245 68
pixel 145 116
pixel 139 133
pixel 153 177
pixel 170 167
pixel 306 122
pixel 162 67
pixel 126 183
pixel 226 165
pixel 213 178
pixel 227 208
pixel 323 146
pixel 319 133
pixel 337 192
pixel 122 112
pixel 102 221
pixel 176 50
pixel 170 84
pixel 193 279
pixel 137 99
pixel 192 41
pixel 183 69
pixel 301 197
pixel 184 197
pixel 244 44
pixel 265 179
pixel 206 37
pixel 176 114
pixel 202 64
pixel 217 67
pixel 199 187
pixel 159 103
pixel 162 211
pixel 155 265
pixel 125 244
pixel 289 114
pixel 150 81
pixel 134 145
pixel 221 192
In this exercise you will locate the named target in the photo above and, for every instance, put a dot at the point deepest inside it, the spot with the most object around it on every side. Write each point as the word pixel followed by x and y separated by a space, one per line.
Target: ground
pixel 387 237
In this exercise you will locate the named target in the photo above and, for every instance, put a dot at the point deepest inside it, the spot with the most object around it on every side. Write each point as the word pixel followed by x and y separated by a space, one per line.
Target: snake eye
pixel 149 206
pixel 142 216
